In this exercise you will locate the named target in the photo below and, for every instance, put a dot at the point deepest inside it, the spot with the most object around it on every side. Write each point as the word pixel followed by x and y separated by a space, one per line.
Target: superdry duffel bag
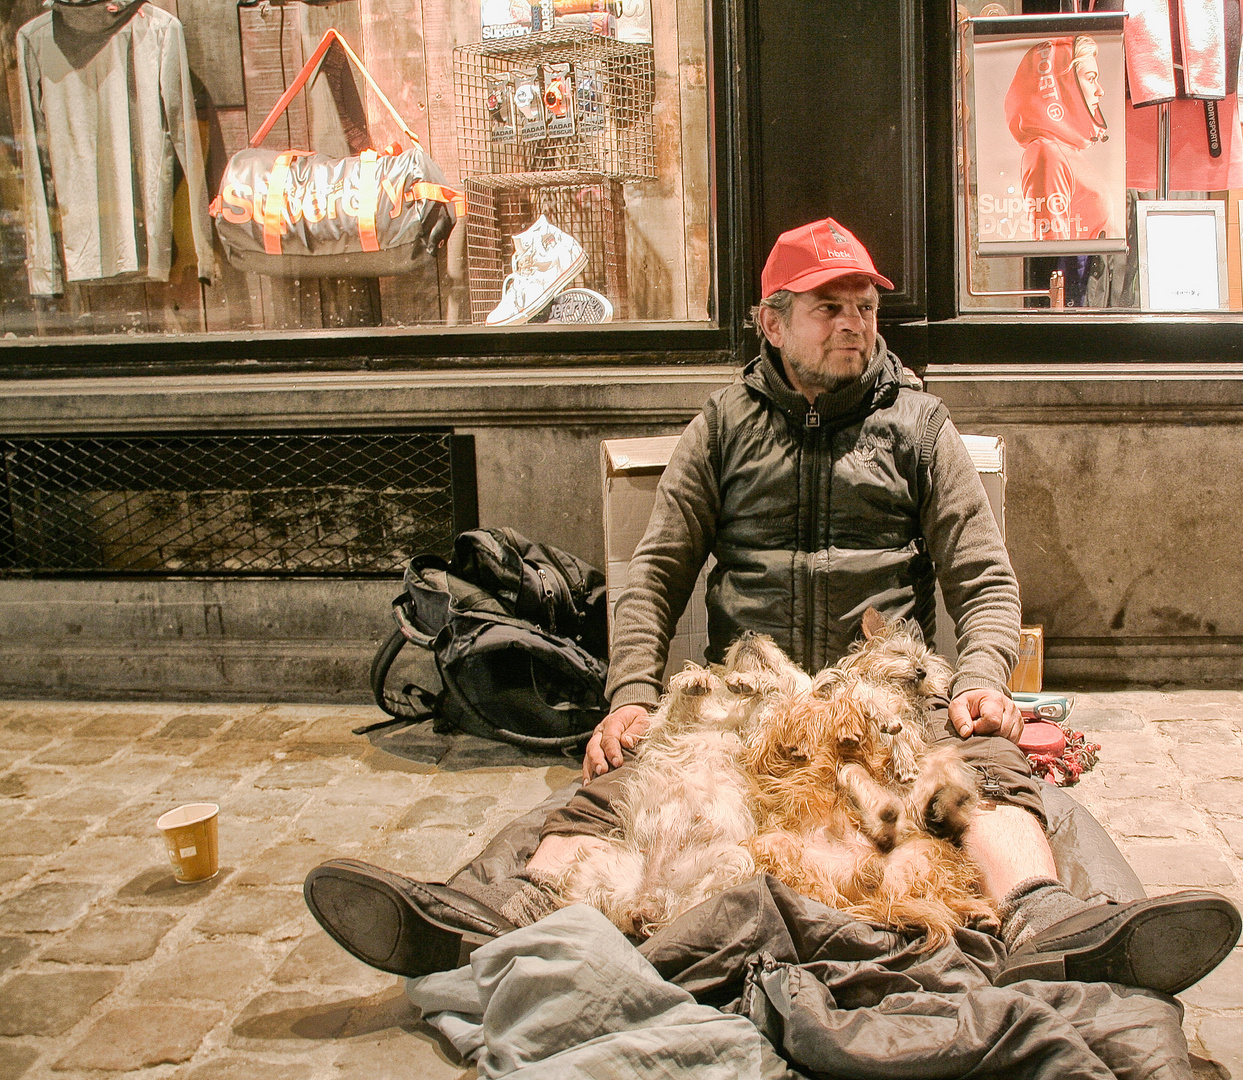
pixel 296 213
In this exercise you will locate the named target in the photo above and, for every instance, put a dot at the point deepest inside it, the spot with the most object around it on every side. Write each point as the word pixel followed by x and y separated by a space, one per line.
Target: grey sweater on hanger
pixel 106 105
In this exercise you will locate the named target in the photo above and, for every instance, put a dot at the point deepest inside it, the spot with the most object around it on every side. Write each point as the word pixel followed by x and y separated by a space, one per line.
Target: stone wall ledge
pixel 1011 393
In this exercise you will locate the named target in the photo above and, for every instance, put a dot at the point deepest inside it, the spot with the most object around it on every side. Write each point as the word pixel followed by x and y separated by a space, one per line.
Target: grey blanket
pixel 760 979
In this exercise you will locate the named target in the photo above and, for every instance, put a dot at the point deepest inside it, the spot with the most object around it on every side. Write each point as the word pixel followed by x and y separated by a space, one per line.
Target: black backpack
pixel 518 632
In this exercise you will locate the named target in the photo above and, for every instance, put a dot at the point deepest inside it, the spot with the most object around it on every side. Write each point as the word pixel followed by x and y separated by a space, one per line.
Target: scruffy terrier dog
pixel 686 806
pixel 853 807
pixel 830 785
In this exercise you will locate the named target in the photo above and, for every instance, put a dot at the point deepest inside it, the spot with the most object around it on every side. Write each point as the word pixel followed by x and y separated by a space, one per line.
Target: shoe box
pixel 631 469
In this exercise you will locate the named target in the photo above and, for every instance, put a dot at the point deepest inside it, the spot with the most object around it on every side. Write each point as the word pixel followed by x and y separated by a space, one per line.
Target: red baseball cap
pixel 810 255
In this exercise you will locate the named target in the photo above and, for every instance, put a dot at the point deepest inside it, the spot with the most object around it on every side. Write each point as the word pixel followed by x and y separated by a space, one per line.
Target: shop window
pixel 1099 157
pixel 175 167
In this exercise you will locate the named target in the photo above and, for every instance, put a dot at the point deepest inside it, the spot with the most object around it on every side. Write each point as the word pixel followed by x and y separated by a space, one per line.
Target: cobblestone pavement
pixel 108 967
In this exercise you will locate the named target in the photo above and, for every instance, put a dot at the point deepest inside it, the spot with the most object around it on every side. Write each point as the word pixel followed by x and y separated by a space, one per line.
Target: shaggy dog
pixel 685 809
pixel 853 807
pixel 830 785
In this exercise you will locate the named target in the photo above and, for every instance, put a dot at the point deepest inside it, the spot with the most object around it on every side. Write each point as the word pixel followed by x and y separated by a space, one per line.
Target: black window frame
pixel 947 336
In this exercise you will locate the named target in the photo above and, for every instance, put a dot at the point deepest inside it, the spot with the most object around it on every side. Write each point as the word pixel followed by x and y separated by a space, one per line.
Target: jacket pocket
pixel 899 582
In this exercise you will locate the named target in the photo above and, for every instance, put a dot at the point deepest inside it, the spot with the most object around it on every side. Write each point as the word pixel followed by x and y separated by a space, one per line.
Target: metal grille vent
pixel 221 504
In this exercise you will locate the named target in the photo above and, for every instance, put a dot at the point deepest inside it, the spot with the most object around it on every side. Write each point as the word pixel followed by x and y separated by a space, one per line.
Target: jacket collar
pixel 94 17
pixel 877 387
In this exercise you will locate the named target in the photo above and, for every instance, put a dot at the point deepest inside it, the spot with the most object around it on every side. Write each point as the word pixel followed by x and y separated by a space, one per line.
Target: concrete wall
pixel 537 442
pixel 1124 505
pixel 1124 510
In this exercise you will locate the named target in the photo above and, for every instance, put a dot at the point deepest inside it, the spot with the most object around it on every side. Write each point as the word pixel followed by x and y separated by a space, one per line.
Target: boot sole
pixel 1165 947
pixel 373 921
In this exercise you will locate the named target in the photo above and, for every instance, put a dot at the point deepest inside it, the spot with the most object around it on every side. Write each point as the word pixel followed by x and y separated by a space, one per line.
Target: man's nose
pixel 851 317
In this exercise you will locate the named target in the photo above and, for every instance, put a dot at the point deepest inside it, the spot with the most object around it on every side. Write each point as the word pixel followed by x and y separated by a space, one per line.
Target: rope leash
pixel 1064 769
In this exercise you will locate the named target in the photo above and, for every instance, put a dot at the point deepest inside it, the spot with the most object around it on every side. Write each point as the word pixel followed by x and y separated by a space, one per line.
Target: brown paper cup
pixel 191 839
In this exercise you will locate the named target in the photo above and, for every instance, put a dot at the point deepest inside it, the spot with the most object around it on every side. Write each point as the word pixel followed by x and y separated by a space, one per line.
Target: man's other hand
pixel 622 728
pixel 985 712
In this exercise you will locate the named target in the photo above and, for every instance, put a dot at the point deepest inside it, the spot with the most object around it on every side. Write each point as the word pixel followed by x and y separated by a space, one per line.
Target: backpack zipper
pixel 549 600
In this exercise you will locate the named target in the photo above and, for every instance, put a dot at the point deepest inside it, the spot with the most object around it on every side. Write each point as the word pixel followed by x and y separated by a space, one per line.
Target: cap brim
pixel 814 278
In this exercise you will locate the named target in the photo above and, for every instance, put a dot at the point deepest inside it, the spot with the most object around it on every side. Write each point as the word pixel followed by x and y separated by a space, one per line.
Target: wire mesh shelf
pixel 561 99
pixel 222 504
pixel 590 208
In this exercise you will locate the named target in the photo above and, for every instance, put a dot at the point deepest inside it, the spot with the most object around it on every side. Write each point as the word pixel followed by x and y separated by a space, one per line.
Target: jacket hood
pixel 874 389
pixel 1045 100
pixel 94 16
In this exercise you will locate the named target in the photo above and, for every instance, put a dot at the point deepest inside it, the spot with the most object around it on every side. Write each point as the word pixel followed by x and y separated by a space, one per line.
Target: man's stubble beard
pixel 822 381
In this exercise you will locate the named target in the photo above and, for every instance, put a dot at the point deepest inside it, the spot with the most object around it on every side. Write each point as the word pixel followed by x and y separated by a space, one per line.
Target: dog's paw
pixel 796 752
pixel 745 683
pixel 883 832
pixel 948 812
pixel 693 681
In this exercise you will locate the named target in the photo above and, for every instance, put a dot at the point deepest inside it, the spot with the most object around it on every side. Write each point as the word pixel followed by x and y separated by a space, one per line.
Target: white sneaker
pixel 545 261
pixel 580 306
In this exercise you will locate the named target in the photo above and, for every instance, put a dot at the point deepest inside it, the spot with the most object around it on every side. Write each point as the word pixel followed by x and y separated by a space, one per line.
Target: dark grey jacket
pixel 819 513
pixel 813 514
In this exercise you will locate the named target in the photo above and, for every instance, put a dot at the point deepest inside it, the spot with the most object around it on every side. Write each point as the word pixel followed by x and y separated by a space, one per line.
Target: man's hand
pixel 623 727
pixel 986 712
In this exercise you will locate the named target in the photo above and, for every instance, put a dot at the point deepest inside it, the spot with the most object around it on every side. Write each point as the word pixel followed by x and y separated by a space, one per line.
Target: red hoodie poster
pixel 1050 147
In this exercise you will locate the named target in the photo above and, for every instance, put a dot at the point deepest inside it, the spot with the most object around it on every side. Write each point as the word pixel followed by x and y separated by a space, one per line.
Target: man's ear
pixel 771 326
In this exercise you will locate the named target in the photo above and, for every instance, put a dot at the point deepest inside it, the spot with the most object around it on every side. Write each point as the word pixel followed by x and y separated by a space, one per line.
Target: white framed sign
pixel 1182 255
pixel 1050 145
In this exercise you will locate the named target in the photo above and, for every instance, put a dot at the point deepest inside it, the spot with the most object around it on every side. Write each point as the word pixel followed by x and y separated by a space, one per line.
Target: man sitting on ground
pixel 824 482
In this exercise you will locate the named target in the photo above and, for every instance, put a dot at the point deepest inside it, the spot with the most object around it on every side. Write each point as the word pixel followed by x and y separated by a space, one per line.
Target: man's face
pixel 830 335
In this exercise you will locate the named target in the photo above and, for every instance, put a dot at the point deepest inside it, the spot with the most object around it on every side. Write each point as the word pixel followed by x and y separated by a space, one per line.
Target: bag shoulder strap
pixel 308 69
pixel 412 702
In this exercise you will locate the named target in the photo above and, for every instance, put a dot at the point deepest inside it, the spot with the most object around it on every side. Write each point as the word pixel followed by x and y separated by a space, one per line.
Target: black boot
pixel 395 923
pixel 1164 943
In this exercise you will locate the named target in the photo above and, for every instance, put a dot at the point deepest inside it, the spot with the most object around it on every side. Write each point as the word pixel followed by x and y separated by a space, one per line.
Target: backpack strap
pixel 712 415
pixel 932 429
pixel 411 703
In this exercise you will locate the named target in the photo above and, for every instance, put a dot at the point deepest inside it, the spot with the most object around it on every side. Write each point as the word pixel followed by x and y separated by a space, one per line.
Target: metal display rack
pixel 614 86
pixel 573 179
pixel 589 207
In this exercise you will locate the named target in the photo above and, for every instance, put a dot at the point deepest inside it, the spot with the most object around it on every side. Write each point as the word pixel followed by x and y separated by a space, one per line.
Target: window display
pixel 1071 126
pixel 182 166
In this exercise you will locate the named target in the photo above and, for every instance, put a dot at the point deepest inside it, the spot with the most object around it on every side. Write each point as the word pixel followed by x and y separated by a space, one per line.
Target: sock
pixel 494 894
pixel 535 898
pixel 1033 905
pixel 523 899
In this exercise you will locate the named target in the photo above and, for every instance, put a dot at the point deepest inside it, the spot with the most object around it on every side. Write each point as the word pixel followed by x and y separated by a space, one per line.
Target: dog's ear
pixel 873 623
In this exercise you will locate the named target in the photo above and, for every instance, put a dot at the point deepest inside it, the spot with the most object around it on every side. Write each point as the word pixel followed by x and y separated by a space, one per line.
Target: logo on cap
pixel 824 249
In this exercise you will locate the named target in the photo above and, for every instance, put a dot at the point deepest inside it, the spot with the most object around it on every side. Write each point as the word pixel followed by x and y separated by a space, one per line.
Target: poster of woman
pixel 1050 150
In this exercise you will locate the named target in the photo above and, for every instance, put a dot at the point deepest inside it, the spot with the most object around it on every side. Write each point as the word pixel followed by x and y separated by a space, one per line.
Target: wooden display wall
pixel 242 58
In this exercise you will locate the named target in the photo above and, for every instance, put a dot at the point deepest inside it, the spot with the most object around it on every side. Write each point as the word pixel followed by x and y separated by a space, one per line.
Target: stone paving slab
pixel 110 969
pixel 1167 792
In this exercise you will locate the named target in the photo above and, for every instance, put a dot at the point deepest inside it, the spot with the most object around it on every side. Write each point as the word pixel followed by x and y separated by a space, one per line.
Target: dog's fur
pixel 830 785
pixel 854 808
pixel 685 808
